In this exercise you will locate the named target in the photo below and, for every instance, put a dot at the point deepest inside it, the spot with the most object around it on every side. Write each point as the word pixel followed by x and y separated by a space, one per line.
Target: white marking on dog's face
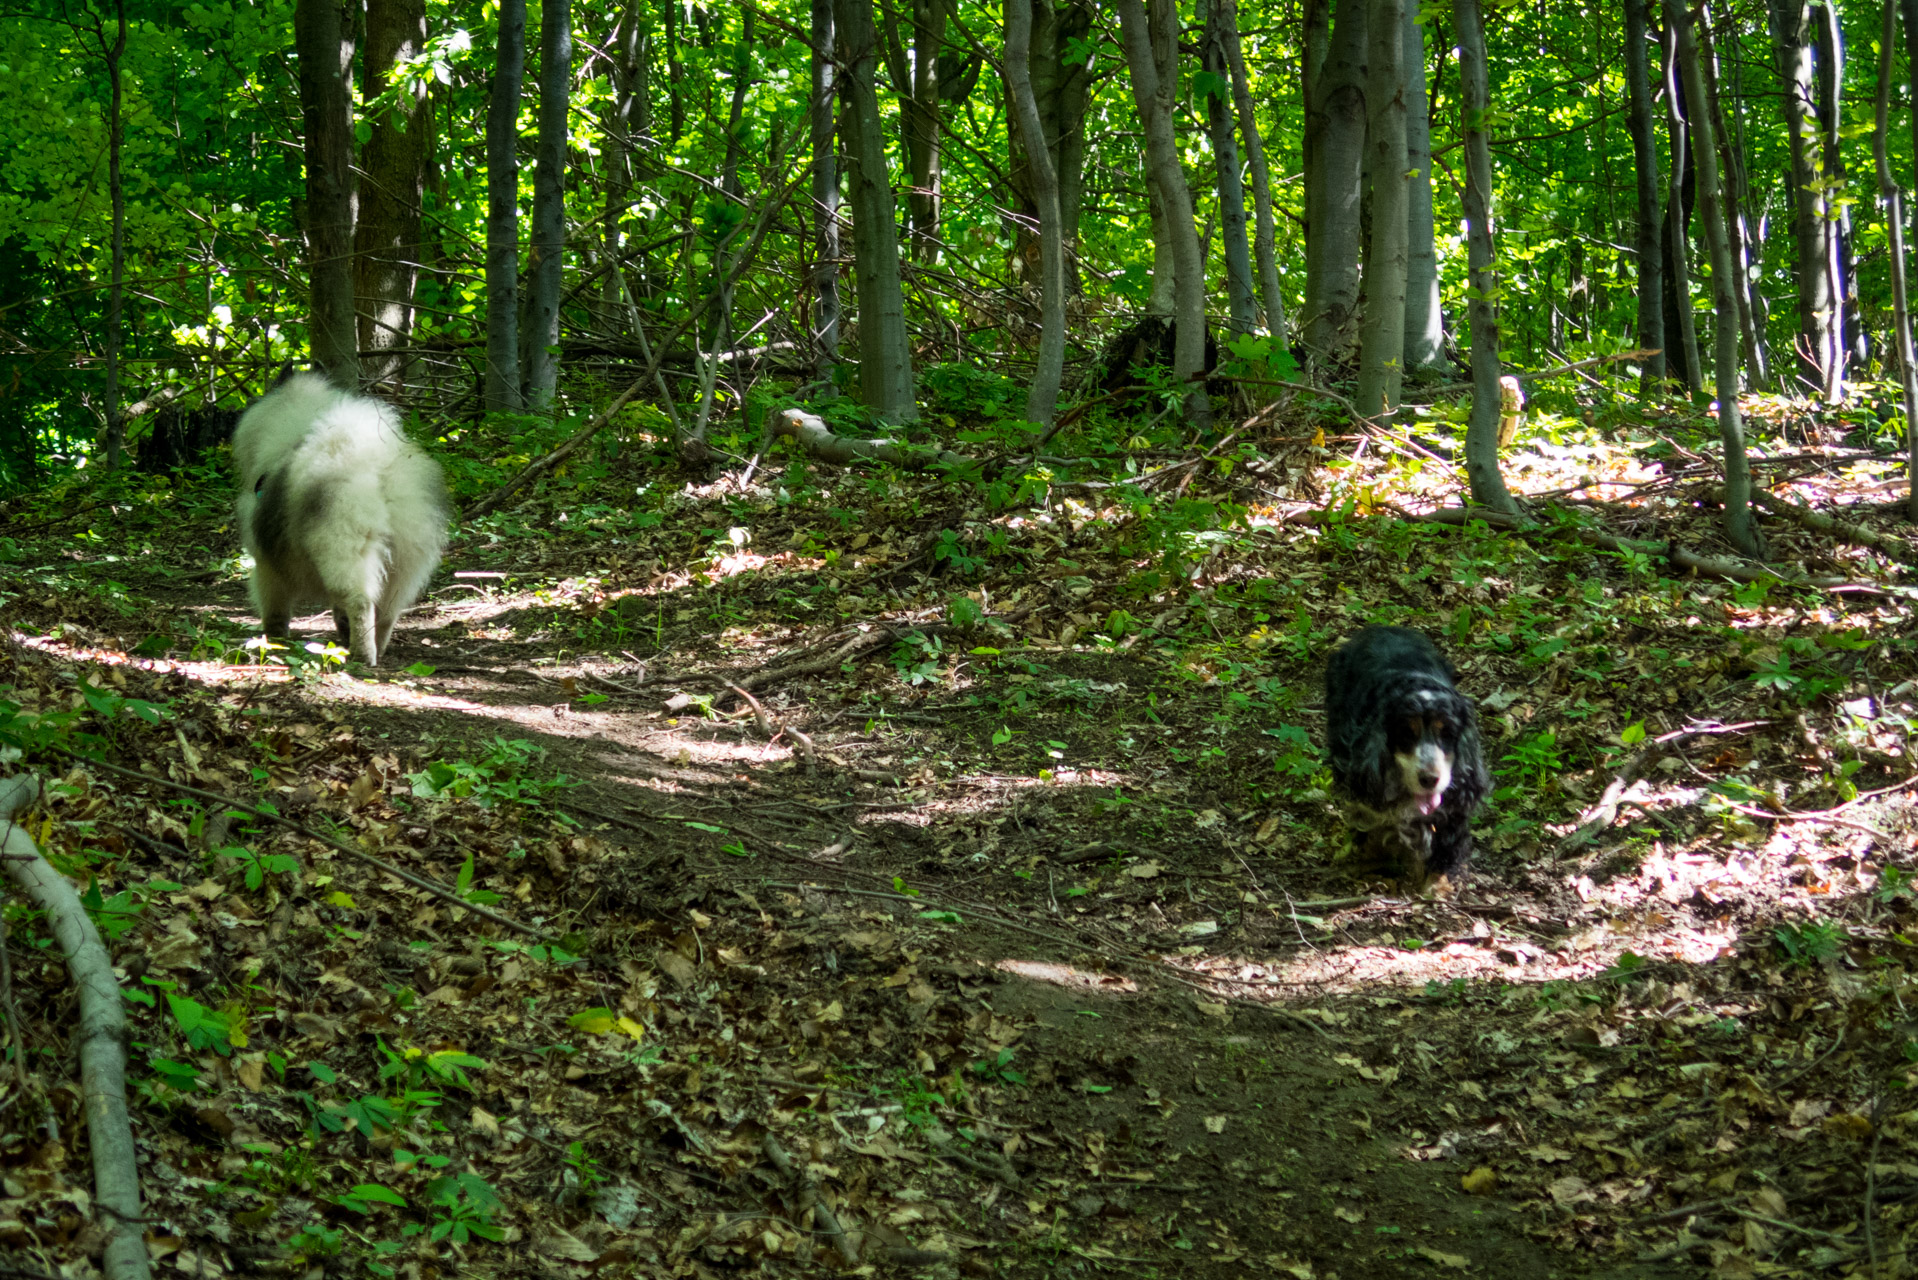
pixel 1426 771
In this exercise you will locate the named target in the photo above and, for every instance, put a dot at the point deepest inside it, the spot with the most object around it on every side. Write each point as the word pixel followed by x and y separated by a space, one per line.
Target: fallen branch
pixel 102 1037
pixel 812 434
pixel 1819 522
pixel 1601 815
pixel 810 1201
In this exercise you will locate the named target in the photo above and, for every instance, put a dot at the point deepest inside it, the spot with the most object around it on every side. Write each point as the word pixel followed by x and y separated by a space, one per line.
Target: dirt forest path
pixel 905 886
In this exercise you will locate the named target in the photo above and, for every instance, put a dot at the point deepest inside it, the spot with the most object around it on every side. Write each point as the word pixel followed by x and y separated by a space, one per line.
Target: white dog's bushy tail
pixel 337 508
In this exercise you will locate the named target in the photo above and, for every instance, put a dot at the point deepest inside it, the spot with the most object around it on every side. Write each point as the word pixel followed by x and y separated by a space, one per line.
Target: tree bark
pixel 386 235
pixel 1332 205
pixel 825 199
pixel 1739 525
pixel 1651 269
pixel 324 40
pixel 1314 48
pixel 924 127
pixel 885 357
pixel 1481 434
pixel 631 120
pixel 1895 225
pixel 1265 233
pixel 1042 399
pixel 1061 89
pixel 546 255
pixel 1241 303
pixel 1676 248
pixel 1151 42
pixel 1817 341
pixel 1382 346
pixel 1732 180
pixel 502 386
pixel 1854 350
pixel 115 50
pixel 1424 320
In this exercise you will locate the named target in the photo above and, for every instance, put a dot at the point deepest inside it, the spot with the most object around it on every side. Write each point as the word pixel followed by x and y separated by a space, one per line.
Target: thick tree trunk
pixel 502 388
pixel 116 429
pixel 1151 42
pixel 1061 89
pixel 1651 268
pixel 1481 434
pixel 1739 526
pixel 885 356
pixel 1043 397
pixel 1382 348
pixel 1332 206
pixel 1895 224
pixel 1817 340
pixel 1265 230
pixel 546 255
pixel 323 37
pixel 1424 321
pixel 1242 304
pixel 825 199
pixel 1676 247
pixel 386 235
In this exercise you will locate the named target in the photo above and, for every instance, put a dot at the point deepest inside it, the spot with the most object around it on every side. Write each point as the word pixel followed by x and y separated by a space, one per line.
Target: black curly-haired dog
pixel 1404 748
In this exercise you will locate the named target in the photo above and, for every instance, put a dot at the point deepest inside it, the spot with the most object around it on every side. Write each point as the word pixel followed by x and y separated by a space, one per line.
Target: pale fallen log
pixel 812 434
pixel 102 1037
pixel 1843 530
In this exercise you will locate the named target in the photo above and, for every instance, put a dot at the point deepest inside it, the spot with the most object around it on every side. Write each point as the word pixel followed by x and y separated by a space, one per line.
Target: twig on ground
pixel 811 1202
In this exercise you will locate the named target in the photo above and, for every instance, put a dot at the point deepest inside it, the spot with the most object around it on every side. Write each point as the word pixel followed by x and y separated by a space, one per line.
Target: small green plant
pixel 1894 884
pixel 918 657
pixel 205 1028
pixel 465 1204
pixel 1802 945
pixel 499 778
pixel 1452 992
pixel 951 549
pixel 256 866
pixel 1629 967
pixel 998 1069
pixel 1535 757
pixel 587 1175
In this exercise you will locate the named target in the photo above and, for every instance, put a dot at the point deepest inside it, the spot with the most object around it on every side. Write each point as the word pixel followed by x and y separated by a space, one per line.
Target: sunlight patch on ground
pixel 1065 975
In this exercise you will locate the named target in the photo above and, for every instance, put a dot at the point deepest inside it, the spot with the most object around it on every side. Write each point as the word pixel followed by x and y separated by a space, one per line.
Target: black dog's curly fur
pixel 1404 749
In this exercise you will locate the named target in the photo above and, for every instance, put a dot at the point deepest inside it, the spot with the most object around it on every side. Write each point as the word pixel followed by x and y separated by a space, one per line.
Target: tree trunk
pixel 1424 321
pixel 675 73
pixel 1651 269
pixel 1332 206
pixel 631 120
pixel 116 431
pixel 923 127
pixel 1854 348
pixel 1382 349
pixel 1895 225
pixel 1242 306
pixel 1739 526
pixel 1817 341
pixel 825 200
pixel 885 356
pixel 324 40
pixel 1164 298
pixel 1151 42
pixel 1676 248
pixel 1734 191
pixel 1481 434
pixel 502 388
pixel 386 235
pixel 1042 398
pixel 546 255
pixel 1314 45
pixel 1061 89
pixel 1225 15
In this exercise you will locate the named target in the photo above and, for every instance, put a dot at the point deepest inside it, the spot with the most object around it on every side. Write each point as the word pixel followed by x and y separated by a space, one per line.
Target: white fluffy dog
pixel 337 507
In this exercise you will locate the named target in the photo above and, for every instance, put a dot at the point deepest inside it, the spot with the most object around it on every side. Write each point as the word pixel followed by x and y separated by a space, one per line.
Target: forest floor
pixel 1002 930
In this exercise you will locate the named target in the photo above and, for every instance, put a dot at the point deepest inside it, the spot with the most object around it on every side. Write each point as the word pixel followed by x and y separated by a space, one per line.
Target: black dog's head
pixel 1422 733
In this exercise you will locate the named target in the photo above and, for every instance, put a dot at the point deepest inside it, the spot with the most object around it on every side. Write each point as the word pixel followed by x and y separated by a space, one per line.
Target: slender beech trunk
pixel 1677 251
pixel 1332 206
pixel 1732 180
pixel 1424 321
pixel 502 388
pixel 885 355
pixel 1739 525
pixel 1162 27
pixel 323 38
pixel 675 73
pixel 1763 368
pixel 546 255
pixel 1225 13
pixel 1149 43
pixel 386 234
pixel 1061 89
pixel 1042 399
pixel 115 50
pixel 1817 340
pixel 1382 346
pixel 631 122
pixel 1481 434
pixel 1895 223
pixel 1854 347
pixel 825 200
pixel 1314 47
pixel 1242 305
pixel 1650 244
pixel 924 127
